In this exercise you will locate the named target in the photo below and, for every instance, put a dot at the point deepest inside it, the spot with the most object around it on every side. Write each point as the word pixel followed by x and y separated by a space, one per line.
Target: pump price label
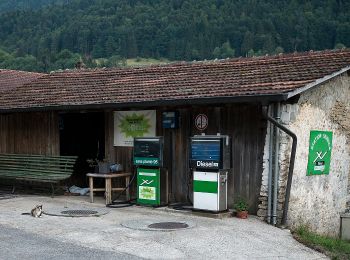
pixel 146 161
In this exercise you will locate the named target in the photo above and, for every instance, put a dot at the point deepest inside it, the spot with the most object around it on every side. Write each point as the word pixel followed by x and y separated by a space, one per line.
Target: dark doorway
pixel 82 134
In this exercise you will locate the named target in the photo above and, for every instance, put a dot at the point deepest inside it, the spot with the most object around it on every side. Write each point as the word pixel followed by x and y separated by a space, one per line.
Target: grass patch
pixel 145 62
pixel 333 247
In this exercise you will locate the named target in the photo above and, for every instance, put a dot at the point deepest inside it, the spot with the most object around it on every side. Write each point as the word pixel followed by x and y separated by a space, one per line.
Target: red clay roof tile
pixel 11 79
pixel 269 75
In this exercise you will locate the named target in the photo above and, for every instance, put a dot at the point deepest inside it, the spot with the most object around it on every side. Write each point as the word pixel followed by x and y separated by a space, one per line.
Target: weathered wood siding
pixel 29 133
pixel 243 123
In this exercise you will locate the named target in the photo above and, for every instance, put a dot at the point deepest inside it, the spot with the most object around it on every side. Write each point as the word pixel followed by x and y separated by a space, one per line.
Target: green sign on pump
pixel 320 149
pixel 146 161
pixel 148 186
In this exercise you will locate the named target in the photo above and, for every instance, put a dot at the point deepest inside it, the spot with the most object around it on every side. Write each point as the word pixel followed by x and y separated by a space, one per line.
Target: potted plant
pixel 241 208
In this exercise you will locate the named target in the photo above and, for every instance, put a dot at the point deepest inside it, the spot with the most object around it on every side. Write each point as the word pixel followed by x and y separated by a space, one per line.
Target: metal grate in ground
pixel 75 212
pixel 151 225
pixel 168 225
pixel 79 212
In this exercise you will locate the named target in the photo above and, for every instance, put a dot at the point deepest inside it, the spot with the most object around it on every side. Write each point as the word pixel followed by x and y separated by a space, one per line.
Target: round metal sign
pixel 201 122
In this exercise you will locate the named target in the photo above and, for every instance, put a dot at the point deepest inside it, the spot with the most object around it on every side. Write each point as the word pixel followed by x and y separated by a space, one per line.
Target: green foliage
pixel 11 5
pixel 339 46
pixel 174 29
pixel 225 51
pixel 27 62
pixel 116 61
pixel 241 205
pixel 333 247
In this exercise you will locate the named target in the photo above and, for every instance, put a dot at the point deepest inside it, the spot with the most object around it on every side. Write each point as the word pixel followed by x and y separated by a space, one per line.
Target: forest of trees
pixel 54 34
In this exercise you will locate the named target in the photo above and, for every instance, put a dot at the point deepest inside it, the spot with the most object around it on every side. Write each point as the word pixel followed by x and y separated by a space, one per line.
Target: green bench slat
pixel 38 174
pixel 68 161
pixel 14 155
pixel 29 168
pixel 36 167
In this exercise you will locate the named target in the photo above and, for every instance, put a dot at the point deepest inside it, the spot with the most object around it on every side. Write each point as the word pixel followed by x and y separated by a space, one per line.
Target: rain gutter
pixel 291 162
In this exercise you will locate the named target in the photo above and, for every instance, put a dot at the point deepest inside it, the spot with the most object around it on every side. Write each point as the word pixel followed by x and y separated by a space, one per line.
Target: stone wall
pixel 316 201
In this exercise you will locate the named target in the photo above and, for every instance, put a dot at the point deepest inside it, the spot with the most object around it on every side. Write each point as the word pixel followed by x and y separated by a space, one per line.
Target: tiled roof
pixel 11 79
pixel 180 82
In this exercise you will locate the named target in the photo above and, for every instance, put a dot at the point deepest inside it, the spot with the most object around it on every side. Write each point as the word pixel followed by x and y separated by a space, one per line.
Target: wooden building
pixel 71 112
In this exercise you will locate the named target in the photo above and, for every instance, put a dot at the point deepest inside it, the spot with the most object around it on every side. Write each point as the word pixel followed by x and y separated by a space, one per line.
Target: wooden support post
pixel 108 193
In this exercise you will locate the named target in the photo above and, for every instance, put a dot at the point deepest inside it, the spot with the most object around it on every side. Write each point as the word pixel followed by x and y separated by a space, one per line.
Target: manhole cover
pixel 79 212
pixel 75 212
pixel 168 225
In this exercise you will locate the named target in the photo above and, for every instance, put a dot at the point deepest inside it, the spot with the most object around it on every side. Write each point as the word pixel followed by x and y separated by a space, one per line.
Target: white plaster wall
pixel 317 201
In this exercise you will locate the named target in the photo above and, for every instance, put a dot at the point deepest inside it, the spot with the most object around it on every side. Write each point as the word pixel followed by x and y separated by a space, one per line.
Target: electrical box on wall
pixel 170 119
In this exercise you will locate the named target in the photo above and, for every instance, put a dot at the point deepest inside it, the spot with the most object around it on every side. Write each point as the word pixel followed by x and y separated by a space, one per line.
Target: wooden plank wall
pixel 29 133
pixel 243 123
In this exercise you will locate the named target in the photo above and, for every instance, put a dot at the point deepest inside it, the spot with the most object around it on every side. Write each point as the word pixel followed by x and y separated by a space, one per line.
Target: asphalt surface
pixel 17 244
pixel 124 234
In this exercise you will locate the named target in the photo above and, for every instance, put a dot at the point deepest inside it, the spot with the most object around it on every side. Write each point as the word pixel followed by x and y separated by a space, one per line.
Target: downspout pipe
pixel 291 162
pixel 269 178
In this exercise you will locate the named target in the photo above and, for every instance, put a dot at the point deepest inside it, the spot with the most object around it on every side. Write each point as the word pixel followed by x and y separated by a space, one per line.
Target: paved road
pixel 111 236
pixel 17 244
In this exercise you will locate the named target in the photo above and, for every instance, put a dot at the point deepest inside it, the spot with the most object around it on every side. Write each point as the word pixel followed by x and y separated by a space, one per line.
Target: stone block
pixel 261 213
pixel 263 198
pixel 293 116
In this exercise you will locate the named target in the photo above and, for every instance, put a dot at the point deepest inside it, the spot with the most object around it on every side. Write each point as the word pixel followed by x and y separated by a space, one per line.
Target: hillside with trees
pixel 12 5
pixel 56 34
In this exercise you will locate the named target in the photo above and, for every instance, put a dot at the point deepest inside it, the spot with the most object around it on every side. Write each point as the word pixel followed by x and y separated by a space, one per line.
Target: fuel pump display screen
pixel 206 153
pixel 206 150
pixel 148 151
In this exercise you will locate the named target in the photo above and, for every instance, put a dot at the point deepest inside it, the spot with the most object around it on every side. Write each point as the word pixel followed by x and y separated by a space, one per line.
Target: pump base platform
pixel 151 206
pixel 210 214
pixel 202 213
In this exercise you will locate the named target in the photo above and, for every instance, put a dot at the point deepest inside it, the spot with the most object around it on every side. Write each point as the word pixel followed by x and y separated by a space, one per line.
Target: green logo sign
pixel 147 193
pixel 134 125
pixel 320 149
pixel 146 161
pixel 148 186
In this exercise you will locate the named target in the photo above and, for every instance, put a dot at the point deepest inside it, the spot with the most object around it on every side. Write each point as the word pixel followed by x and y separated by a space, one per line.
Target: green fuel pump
pixel 148 158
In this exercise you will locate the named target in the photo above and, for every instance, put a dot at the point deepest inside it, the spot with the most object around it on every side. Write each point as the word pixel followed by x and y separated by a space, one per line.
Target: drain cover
pixel 168 225
pixel 75 212
pixel 79 212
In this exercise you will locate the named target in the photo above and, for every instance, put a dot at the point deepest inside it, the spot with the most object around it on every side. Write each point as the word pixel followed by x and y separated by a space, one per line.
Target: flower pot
pixel 242 214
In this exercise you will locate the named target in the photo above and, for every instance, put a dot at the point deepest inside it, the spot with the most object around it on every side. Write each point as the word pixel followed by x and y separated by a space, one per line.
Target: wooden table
pixel 108 184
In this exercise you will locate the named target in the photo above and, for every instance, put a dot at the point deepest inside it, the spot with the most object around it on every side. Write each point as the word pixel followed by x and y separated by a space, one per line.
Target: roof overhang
pixel 317 82
pixel 263 99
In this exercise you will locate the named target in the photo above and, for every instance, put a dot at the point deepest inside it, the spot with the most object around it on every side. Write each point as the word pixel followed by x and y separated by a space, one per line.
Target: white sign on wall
pixel 130 124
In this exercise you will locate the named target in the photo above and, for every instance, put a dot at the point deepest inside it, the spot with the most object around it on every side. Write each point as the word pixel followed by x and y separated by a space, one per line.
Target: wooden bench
pixel 36 168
